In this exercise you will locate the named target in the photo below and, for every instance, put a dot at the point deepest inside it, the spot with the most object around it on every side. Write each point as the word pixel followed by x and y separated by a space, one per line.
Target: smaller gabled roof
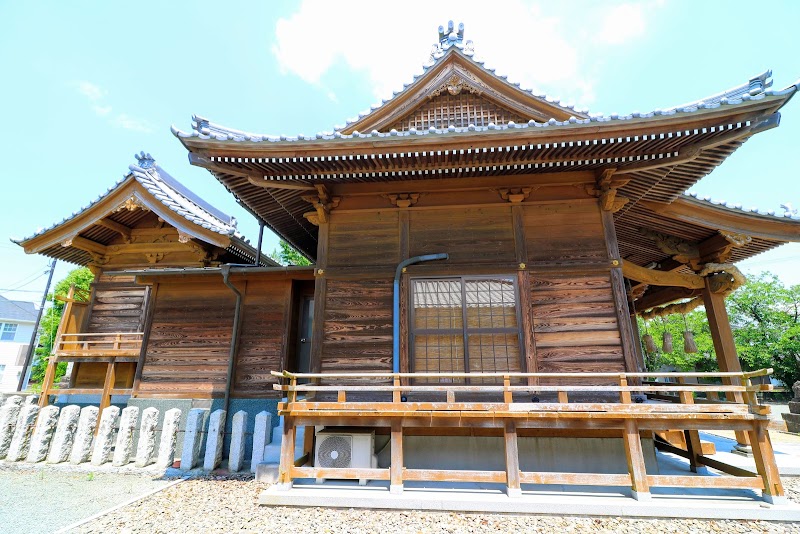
pixel 17 310
pixel 150 186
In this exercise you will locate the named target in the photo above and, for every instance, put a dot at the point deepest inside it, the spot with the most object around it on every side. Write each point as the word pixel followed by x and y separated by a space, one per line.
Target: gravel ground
pixel 221 504
pixel 27 503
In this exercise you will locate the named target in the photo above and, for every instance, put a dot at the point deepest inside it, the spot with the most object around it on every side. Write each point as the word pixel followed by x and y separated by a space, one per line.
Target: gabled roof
pixel 17 310
pixel 662 153
pixel 147 185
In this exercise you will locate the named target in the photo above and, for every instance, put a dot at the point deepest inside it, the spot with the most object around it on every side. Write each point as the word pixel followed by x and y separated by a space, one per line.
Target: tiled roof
pixel 757 88
pixel 16 310
pixel 171 193
pixel 789 212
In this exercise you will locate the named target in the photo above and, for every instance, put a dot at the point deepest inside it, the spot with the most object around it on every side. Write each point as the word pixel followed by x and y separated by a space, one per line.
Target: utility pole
pixel 23 377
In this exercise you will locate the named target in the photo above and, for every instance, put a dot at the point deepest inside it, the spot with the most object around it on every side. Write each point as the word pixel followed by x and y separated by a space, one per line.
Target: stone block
pixel 792 422
pixel 146 446
pixel 262 435
pixel 43 434
pixel 124 445
pixel 193 438
pixel 267 473
pixel 21 441
pixel 215 440
pixel 8 422
pixel 84 435
pixel 238 429
pixel 794 406
pixel 65 435
pixel 104 442
pixel 169 438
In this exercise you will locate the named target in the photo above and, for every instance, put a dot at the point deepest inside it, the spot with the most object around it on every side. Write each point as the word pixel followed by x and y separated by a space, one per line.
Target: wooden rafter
pixel 121 229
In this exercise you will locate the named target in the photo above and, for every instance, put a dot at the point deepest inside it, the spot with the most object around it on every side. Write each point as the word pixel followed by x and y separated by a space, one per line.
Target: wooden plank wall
pixel 189 344
pixel 574 319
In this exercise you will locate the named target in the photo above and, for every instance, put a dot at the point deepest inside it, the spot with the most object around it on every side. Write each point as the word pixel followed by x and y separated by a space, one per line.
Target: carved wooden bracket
pixel 154 257
pixel 183 238
pixel 402 200
pixel 515 195
pixel 131 204
pixel 454 85
pixel 606 190
pixel 323 203
pixel 681 250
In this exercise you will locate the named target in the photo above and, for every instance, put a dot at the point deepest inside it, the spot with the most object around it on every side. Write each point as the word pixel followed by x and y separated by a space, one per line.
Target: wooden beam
pixel 661 278
pixel 121 229
pixel 85 244
pixel 658 296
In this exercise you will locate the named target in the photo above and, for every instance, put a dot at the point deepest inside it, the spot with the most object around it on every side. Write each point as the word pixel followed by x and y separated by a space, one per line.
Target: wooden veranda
pixel 408 407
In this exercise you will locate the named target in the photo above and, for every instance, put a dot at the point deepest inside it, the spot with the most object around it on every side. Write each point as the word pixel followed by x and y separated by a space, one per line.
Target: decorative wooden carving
pixel 606 190
pixel 402 200
pixel 681 250
pixel 515 195
pixel 454 85
pixel 131 204
pixel 323 203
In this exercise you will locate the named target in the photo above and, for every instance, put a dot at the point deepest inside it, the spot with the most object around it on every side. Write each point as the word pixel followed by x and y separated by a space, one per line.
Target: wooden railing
pixel 110 348
pixel 466 405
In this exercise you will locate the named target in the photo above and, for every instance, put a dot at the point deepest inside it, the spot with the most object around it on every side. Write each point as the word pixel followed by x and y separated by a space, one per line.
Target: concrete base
pixel 742 450
pixel 778 500
pixel 642 495
pixel 267 473
pixel 492 499
pixel 396 489
pixel 513 492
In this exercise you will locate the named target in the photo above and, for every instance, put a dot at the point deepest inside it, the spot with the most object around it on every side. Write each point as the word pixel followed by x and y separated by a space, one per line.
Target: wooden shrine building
pixel 475 247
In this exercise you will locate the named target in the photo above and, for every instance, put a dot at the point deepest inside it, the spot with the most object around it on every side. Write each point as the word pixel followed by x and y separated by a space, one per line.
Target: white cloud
pixel 127 122
pixel 96 94
pixel 91 91
pixel 534 45
pixel 622 23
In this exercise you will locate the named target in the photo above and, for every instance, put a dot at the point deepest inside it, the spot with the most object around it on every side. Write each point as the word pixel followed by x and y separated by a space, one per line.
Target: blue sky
pixel 88 84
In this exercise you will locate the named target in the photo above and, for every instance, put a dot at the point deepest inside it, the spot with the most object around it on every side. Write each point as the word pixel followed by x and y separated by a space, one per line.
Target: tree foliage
pixel 765 319
pixel 287 255
pixel 81 278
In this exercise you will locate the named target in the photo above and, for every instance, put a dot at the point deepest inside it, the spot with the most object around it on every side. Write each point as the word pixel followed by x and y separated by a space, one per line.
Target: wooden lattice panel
pixel 459 110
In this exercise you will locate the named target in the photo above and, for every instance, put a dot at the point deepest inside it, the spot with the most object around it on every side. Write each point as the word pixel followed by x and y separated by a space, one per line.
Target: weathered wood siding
pixel 188 347
pixel 573 314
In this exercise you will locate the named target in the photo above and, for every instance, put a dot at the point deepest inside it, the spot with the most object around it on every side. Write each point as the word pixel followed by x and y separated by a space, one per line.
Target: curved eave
pixel 571 130
pixel 73 226
pixel 715 217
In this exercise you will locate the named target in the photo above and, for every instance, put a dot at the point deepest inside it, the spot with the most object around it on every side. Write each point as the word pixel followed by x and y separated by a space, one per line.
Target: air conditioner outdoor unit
pixel 345 449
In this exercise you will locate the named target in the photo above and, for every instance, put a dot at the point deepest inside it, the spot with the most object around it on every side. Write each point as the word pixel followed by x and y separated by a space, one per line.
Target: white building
pixel 17 319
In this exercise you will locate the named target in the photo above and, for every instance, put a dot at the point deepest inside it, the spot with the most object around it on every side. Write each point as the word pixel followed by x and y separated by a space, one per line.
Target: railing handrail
pixel 97 334
pixel 466 388
pixel 742 375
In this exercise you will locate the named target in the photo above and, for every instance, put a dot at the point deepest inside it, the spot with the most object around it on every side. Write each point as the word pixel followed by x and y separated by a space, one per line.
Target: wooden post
pixel 624 396
pixel 724 345
pixel 47 383
pixel 320 296
pixel 513 488
pixel 692 437
pixel 308 443
pixel 396 466
pixel 508 396
pixel 287 454
pixel 629 352
pixel 108 385
pixel 396 394
pixel 405 352
pixel 765 464
pixel 524 291
pixel 633 452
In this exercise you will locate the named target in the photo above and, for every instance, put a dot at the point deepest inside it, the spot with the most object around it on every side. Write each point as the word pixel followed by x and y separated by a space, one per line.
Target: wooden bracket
pixel 402 200
pixel 121 229
pixel 515 195
pixel 606 190
pixel 323 204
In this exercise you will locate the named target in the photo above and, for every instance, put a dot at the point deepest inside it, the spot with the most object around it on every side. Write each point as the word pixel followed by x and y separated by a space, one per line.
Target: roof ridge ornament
pixel 145 160
pixel 450 38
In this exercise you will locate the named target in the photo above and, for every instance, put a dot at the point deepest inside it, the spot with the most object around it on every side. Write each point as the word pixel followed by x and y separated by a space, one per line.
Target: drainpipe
pixel 396 308
pixel 226 271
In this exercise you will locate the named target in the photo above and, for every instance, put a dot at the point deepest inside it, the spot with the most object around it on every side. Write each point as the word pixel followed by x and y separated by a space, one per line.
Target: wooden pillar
pixel 150 302
pixel 765 464
pixel 287 454
pixel 405 353
pixel 637 343
pixel 513 488
pixel 524 288
pixel 47 382
pixel 724 345
pixel 396 466
pixel 308 443
pixel 320 295
pixel 629 352
pixel 692 437
pixel 640 490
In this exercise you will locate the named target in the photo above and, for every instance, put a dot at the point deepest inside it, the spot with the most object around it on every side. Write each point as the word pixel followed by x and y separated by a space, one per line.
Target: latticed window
pixel 465 324
pixel 456 110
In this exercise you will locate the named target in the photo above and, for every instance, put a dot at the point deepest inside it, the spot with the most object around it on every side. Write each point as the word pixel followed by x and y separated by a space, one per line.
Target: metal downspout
pixel 396 307
pixel 226 270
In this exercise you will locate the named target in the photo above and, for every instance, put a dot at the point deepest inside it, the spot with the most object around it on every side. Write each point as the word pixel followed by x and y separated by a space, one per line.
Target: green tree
pixel 287 255
pixel 81 278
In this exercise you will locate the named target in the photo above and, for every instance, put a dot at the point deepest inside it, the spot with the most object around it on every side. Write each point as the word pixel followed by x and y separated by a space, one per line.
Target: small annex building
pixel 469 239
